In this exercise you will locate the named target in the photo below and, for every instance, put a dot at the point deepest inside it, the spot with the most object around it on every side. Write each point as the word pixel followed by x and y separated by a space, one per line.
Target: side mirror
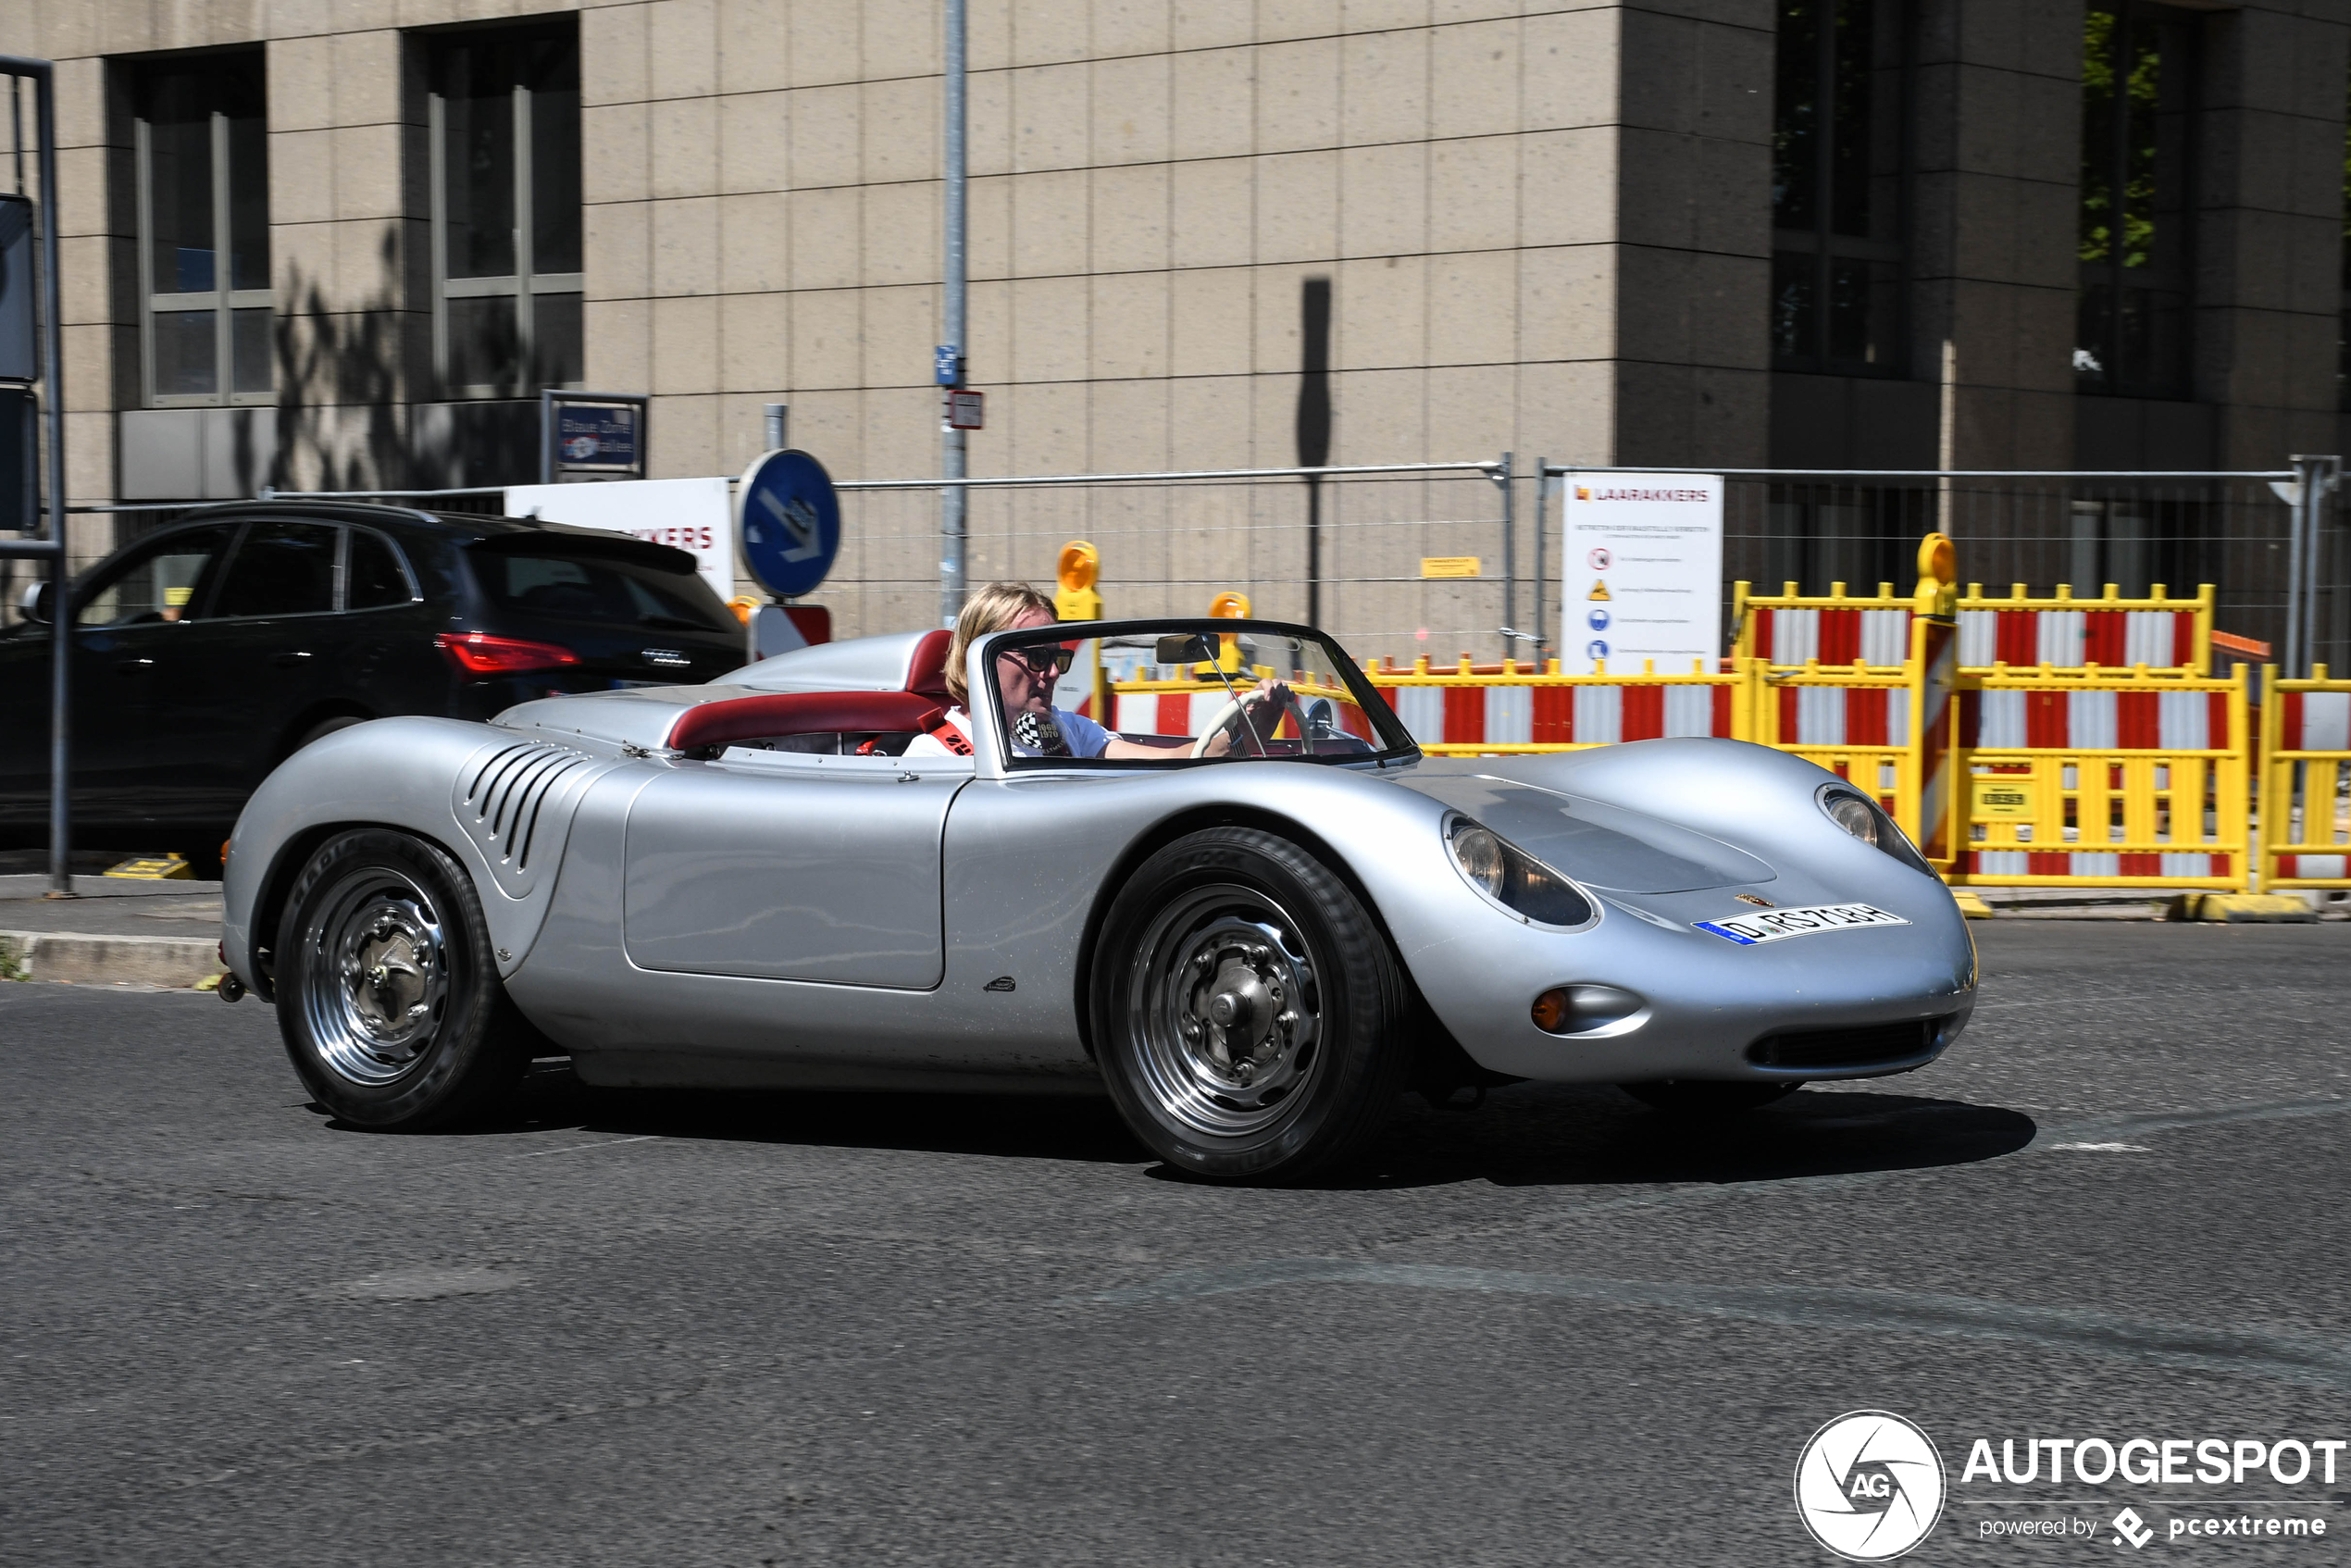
pixel 1320 718
pixel 1180 649
pixel 35 603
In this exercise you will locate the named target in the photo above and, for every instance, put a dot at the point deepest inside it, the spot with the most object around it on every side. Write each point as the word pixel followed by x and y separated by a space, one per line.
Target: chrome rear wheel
pixel 391 1009
pixel 378 981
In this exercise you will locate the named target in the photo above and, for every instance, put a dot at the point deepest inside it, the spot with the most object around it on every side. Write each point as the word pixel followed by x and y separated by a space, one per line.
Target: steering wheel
pixel 1229 717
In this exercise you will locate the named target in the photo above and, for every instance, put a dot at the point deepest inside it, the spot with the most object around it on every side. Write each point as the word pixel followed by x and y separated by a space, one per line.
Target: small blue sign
pixel 1597 620
pixel 947 364
pixel 1595 649
pixel 789 519
pixel 596 437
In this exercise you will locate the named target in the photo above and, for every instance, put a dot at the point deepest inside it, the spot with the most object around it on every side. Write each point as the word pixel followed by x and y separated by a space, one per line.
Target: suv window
pixel 157 582
pixel 280 569
pixel 372 577
pixel 600 590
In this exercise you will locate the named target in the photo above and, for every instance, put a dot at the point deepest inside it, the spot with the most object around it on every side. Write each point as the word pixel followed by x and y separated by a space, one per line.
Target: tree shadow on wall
pixel 339 385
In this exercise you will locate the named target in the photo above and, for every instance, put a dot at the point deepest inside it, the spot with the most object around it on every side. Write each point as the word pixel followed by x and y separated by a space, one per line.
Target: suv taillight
pixel 477 652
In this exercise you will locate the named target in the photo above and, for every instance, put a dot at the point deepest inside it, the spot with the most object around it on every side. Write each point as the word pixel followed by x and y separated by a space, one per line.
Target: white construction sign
pixel 695 516
pixel 1643 572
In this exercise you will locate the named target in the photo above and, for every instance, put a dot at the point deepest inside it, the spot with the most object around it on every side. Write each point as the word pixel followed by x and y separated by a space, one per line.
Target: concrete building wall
pixel 1538 225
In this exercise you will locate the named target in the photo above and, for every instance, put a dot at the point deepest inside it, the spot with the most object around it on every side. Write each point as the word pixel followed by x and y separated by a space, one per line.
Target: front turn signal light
pixel 1588 1010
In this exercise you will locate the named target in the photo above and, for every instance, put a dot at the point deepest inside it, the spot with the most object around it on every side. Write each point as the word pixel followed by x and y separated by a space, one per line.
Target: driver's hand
pixel 1267 697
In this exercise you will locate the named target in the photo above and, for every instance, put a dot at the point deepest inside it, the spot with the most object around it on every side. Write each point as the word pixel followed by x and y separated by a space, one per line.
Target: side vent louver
pixel 504 805
pixel 505 795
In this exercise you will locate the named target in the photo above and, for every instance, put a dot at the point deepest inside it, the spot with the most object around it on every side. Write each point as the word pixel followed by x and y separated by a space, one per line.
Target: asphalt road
pixel 727 1329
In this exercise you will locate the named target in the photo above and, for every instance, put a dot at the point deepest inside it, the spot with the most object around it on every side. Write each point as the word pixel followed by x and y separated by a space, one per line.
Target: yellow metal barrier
pixel 2104 781
pixel 1790 629
pixel 2306 781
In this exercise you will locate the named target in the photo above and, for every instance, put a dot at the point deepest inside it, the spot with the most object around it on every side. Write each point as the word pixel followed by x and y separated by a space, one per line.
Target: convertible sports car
pixel 1254 922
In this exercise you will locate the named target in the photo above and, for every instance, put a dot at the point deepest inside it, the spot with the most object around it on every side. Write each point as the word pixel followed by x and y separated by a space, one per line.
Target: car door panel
pixel 133 622
pixel 815 868
pixel 263 655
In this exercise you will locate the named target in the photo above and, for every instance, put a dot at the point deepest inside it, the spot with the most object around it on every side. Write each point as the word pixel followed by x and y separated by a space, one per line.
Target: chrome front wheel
pixel 1227 1007
pixel 1248 1013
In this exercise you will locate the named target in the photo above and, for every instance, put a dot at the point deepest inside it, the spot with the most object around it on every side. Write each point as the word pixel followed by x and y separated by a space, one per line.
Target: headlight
pixel 1514 878
pixel 1852 813
pixel 1862 816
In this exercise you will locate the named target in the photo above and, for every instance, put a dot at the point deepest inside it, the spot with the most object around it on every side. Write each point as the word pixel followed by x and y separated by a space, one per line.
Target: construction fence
pixel 2053 776
pixel 1358 551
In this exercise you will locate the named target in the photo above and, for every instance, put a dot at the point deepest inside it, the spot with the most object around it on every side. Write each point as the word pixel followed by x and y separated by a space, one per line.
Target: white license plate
pixel 1777 924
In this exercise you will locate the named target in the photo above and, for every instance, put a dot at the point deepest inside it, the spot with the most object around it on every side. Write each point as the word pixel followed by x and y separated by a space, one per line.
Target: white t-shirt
pixel 1086 738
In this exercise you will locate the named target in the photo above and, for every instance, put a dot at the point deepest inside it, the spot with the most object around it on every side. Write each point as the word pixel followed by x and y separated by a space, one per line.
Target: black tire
pixel 1287 1050
pixel 1704 1097
pixel 388 1001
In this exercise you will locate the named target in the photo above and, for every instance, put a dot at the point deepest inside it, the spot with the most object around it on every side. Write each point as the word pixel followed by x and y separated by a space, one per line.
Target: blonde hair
pixel 993 608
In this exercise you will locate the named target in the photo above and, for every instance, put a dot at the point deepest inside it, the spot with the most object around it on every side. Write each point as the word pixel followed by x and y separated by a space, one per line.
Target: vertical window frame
pixel 1820 243
pixel 223 299
pixel 2176 383
pixel 526 283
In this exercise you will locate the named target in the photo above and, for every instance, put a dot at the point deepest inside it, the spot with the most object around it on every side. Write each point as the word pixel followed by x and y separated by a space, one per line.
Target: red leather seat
pixel 804 713
pixel 926 671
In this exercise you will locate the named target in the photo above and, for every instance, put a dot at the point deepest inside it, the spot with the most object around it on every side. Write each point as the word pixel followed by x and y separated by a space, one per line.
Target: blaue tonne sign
pixel 789 518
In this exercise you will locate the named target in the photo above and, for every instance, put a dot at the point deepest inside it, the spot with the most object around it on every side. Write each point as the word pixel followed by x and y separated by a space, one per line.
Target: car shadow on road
pixel 1545 1135
pixel 1045 1126
pixel 1527 1135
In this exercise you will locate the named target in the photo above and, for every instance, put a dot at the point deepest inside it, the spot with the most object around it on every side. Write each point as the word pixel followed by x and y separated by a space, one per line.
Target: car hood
pixel 1603 845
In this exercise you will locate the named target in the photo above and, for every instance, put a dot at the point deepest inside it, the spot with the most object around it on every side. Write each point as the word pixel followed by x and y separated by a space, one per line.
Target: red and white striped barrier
pixel 2314 721
pixel 2307 722
pixel 2095 720
pixel 1572 710
pixel 1788 630
pixel 1843 716
pixel 2063 639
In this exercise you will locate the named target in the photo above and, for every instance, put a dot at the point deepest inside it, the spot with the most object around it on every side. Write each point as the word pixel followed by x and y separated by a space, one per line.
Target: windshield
pixel 1178 692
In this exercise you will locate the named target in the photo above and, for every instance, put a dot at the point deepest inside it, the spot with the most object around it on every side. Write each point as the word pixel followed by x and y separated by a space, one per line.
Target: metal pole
pixel 60 574
pixel 1507 479
pixel 953 453
pixel 1542 512
pixel 776 414
pixel 2326 472
pixel 2305 496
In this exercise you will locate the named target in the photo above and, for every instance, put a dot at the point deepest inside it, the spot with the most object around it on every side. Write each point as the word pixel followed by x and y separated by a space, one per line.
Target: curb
pixel 84 959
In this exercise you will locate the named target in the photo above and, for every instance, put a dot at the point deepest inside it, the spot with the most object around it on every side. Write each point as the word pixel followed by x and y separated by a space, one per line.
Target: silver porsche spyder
pixel 1197 865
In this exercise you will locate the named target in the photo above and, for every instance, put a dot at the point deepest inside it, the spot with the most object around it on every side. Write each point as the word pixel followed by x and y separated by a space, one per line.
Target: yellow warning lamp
pixel 1937 593
pixel 744 606
pixel 1080 564
pixel 1228 606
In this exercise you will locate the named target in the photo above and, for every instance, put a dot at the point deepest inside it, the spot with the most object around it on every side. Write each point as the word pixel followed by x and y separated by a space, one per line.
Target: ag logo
pixel 1869 1486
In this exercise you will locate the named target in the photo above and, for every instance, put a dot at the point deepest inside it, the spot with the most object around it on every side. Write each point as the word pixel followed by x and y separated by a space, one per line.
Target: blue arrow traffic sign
pixel 789 520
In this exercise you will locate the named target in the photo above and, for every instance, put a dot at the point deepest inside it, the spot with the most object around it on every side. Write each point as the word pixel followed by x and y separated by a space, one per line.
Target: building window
pixel 1839 157
pixel 201 143
pixel 2138 90
pixel 504 111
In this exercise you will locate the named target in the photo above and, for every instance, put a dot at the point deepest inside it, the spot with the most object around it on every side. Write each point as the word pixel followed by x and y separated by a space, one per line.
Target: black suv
pixel 208 652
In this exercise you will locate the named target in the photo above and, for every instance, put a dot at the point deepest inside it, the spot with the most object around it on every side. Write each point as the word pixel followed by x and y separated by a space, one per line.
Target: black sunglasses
pixel 1040 660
